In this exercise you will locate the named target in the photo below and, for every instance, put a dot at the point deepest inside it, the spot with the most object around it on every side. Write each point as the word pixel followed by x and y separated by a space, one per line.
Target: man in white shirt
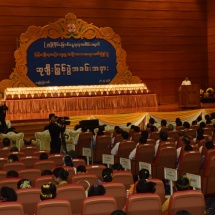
pixel 186 82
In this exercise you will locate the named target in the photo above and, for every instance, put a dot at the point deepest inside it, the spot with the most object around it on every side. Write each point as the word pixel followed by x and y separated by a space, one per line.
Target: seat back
pixel 54 207
pixel 84 141
pixel 160 190
pixel 190 200
pixel 30 174
pixel 37 153
pixel 16 166
pixel 2 174
pixel 29 161
pixel 208 131
pixel 173 134
pixel 77 162
pixel 75 194
pixel 166 157
pixel 28 150
pixel 155 135
pixel 103 144
pixel 118 138
pixel 29 198
pixel 125 147
pixel 11 208
pixel 57 158
pixel 151 202
pixel 136 136
pixel 190 133
pixel 124 177
pixel 4 152
pixel 2 162
pixel 117 190
pixel 18 154
pixel 190 162
pixel 10 182
pixel 97 205
pixel 44 164
pixel 95 169
pixel 41 180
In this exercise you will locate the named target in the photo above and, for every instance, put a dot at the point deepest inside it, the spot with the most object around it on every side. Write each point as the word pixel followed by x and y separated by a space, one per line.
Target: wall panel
pixel 165 40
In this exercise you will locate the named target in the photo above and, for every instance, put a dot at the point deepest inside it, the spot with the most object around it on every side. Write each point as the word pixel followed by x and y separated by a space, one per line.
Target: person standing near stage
pixel 186 81
pixel 3 110
pixel 56 130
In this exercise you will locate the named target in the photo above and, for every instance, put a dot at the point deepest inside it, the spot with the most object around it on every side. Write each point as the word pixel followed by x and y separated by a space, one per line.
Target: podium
pixel 189 96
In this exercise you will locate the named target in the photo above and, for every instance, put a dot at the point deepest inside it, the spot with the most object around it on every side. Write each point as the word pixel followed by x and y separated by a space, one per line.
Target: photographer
pixel 56 129
pixel 3 126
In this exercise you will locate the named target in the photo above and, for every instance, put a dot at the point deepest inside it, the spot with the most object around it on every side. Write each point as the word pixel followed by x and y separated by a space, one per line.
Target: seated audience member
pixel 142 140
pixel 12 174
pixel 194 122
pixel 202 125
pixel 81 169
pixel 14 149
pixel 83 130
pixel 6 143
pixel 117 167
pixel 163 125
pixel 27 142
pixel 60 176
pixel 12 158
pixel 67 161
pixel 117 132
pixel 200 135
pixel 7 194
pixel 163 138
pixel 96 190
pixel 186 141
pixel 23 183
pixel 170 128
pixel 48 191
pixel 44 156
pixel 118 212
pixel 136 130
pixel 183 183
pixel 46 172
pixel 183 213
pixel 107 175
pixel 143 174
pixel 145 187
pixel 199 119
pixel 186 125
pixel 178 122
pixel 114 150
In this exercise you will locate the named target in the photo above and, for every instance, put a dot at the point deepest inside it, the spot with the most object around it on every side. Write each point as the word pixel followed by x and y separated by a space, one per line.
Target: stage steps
pixel 29 127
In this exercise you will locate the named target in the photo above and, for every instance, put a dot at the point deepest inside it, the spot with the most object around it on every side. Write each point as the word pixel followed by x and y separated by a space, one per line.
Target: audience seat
pixel 143 203
pixel 53 207
pixel 18 154
pixel 136 137
pixel 190 133
pixel 16 166
pixel 30 174
pixel 10 182
pixel 2 174
pixel 190 162
pixel 99 205
pixel 29 161
pixel 190 200
pixel 4 152
pixel 124 177
pixel 173 134
pixel 155 135
pixel 2 162
pixel 103 146
pixel 38 153
pixel 77 162
pixel 75 194
pixel 144 153
pixel 117 190
pixel 11 208
pixel 95 169
pixel 166 157
pixel 57 158
pixel 39 181
pixel 29 197
pixel 28 150
pixel 44 164
pixel 208 131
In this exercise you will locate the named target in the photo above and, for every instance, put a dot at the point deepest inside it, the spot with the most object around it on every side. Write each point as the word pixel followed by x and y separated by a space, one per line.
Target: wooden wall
pixel 211 42
pixel 165 40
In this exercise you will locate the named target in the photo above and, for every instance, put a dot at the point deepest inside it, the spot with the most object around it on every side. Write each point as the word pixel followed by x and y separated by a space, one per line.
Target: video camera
pixel 63 120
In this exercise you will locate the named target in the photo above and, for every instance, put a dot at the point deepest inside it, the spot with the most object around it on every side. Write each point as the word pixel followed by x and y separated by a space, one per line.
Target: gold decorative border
pixel 66 27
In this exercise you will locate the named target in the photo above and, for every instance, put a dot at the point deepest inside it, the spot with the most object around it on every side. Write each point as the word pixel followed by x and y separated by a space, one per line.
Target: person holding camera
pixel 3 110
pixel 56 130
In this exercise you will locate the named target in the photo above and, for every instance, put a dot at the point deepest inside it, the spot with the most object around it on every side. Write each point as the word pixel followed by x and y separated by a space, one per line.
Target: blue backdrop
pixel 63 62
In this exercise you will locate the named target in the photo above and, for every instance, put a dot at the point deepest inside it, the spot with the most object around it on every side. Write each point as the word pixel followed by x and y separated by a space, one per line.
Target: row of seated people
pixel 142 203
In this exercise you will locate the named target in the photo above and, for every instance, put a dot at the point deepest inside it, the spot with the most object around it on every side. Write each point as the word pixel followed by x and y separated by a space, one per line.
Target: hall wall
pixel 165 40
pixel 211 42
